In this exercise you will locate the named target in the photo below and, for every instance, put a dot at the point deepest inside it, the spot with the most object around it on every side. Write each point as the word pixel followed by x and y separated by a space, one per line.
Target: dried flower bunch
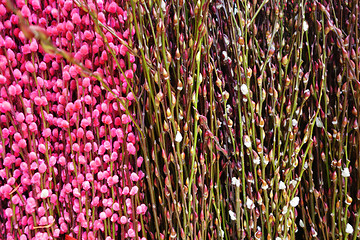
pixel 173 119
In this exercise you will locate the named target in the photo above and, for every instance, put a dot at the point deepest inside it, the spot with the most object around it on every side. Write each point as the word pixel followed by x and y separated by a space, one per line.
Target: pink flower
pixel 103 189
pixel 88 35
pixel 139 161
pixel 107 145
pixel 116 179
pixel 32 156
pixel 98 225
pixel 129 74
pixel 56 233
pixel 95 201
pixel 108 120
pixel 76 192
pixel 25 11
pixel 82 159
pixel 130 96
pixel 84 123
pixel 88 147
pixel 65 124
pixel 52 161
pixel 112 7
pixel 38 101
pixel 36 179
pixel 108 212
pixel 101 150
pixel 131 233
pixel 132 58
pixel 123 50
pixel 76 18
pixel 66 76
pixel 80 133
pixel 144 208
pixel 134 190
pixel 77 105
pixel 71 167
pixel 141 174
pixel 114 217
pixel 42 168
pixel 126 33
pixel 89 135
pixel 114 156
pixel 34 46
pixel 110 181
pixel 139 210
pixel 20 117
pixel 46 132
pixel 12 90
pixel 43 221
pixel 126 191
pixel 36 5
pixel 80 178
pixel 42 148
pixel 17 137
pixel 33 127
pixel 44 193
pixel 9 212
pixel 17 74
pixel 5 107
pixel 89 177
pixel 131 148
pixel 5 190
pixel 73 72
pixel 116 206
pixel 15 199
pixel 29 67
pixel 86 185
pixel 131 138
pixel 30 205
pixel 134 177
pixel 63 228
pixel 43 66
pixel 123 220
pixel 80 217
pixel 62 161
pixel 69 26
pixel 2 79
pixel 125 119
pixel 76 147
pixel 119 133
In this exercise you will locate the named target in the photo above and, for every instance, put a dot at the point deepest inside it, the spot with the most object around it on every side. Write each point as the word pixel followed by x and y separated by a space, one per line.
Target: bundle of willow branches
pixel 209 119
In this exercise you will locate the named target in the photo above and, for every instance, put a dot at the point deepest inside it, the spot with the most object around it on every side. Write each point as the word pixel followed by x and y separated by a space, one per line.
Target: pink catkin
pixel 2 79
pixel 12 90
pixel 17 74
pixel 134 177
pixel 134 190
pixel 123 220
pixel 131 149
pixel 29 67
pixel 36 4
pixel 5 107
pixel 125 191
pixel 34 46
pixel 131 233
pixel 112 7
pixel 129 74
